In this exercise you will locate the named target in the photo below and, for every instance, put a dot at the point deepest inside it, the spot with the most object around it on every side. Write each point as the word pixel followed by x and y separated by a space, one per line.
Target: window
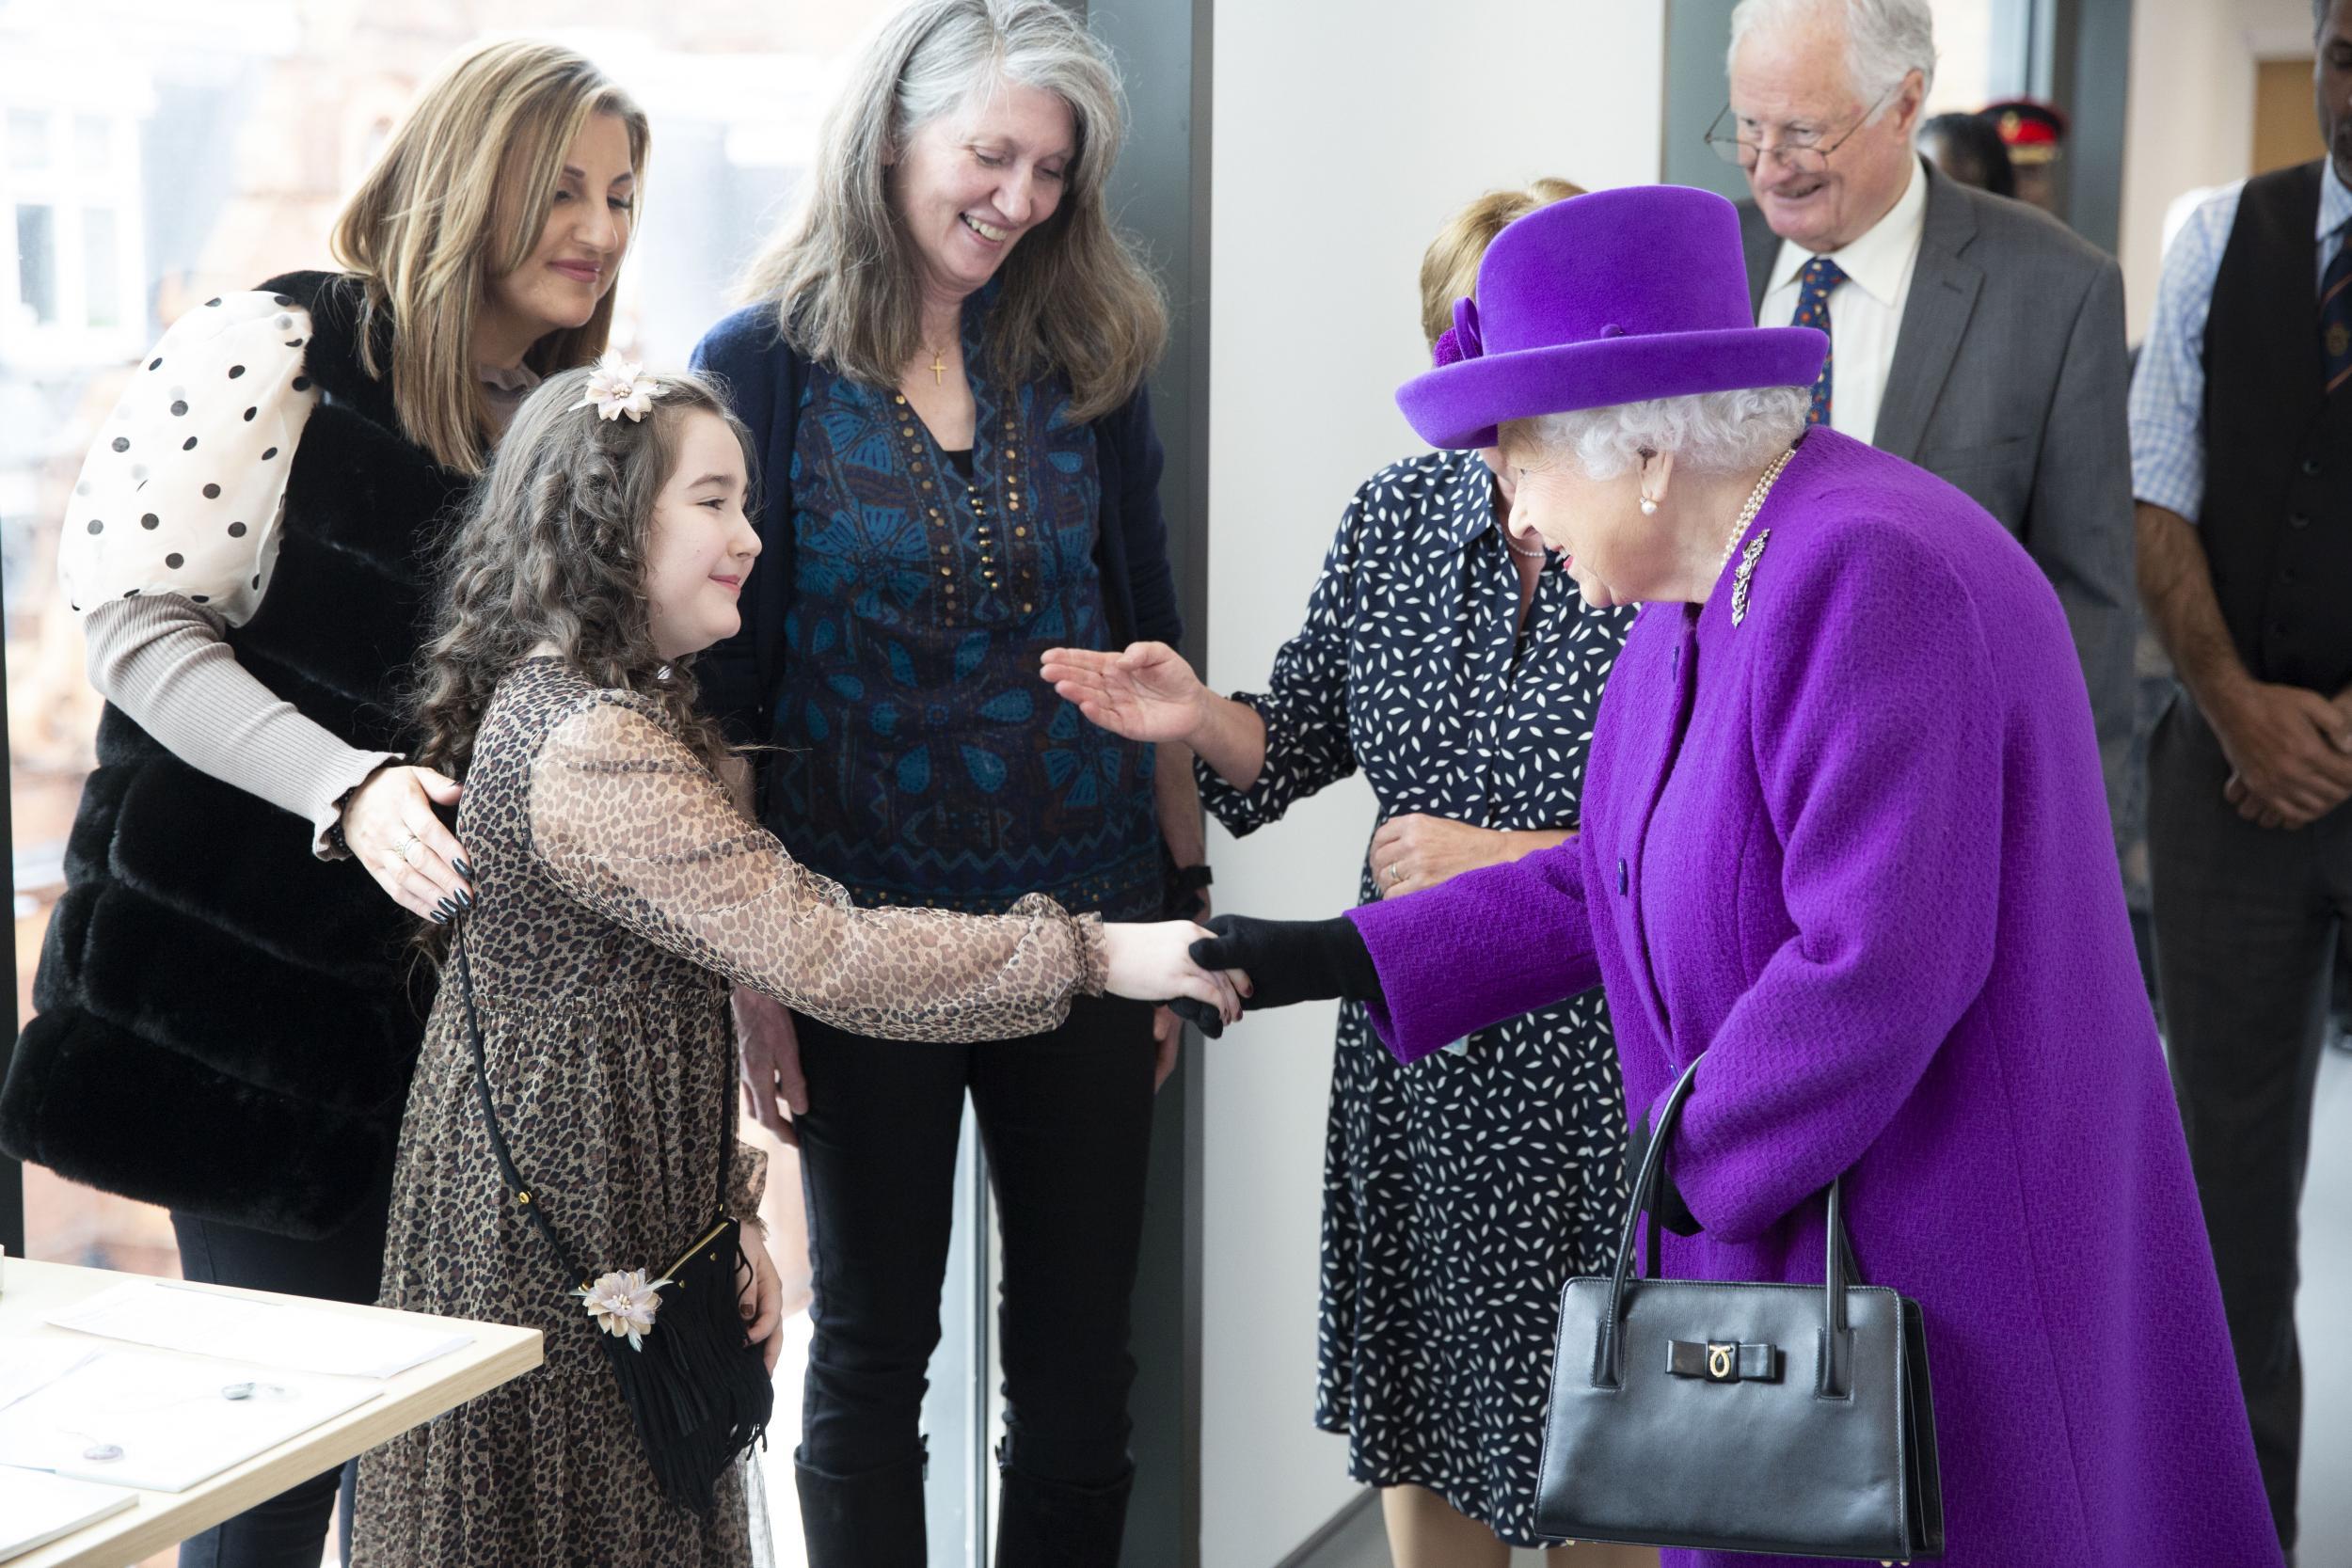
pixel 70 287
pixel 93 144
pixel 37 263
pixel 28 139
pixel 101 287
pixel 241 175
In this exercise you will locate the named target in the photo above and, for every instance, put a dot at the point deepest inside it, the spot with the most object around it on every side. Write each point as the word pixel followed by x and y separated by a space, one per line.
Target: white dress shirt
pixel 1866 312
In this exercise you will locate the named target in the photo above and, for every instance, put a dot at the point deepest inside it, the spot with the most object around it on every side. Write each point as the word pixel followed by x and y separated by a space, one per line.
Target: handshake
pixel 1210 976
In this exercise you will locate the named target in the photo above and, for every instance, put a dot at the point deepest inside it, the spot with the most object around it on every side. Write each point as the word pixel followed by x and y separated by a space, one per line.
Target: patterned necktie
pixel 1813 285
pixel 2335 317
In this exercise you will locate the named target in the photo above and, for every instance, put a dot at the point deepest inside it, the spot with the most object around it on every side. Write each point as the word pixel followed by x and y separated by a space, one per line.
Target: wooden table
pixel 32 1293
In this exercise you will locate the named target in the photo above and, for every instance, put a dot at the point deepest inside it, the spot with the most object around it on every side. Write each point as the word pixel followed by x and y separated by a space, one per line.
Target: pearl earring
pixel 1649 507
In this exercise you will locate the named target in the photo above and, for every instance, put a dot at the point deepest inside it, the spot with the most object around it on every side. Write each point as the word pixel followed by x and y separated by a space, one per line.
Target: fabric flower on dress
pixel 623 1301
pixel 618 387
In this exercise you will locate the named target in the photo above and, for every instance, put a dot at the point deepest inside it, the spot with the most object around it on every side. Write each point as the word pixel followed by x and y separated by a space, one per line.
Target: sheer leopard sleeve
pixel 630 822
pixel 747 1180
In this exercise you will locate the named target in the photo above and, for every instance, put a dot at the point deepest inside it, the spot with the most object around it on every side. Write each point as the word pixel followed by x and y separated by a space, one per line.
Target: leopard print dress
pixel 619 892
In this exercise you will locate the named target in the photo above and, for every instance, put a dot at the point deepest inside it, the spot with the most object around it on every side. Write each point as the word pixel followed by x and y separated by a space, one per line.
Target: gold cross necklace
pixel 938 366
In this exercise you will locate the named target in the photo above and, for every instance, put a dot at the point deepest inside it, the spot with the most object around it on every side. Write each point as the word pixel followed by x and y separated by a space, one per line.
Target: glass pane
pixel 102 286
pixel 93 143
pixel 962 1369
pixel 1964 49
pixel 28 139
pixel 730 157
pixel 956 1408
pixel 37 262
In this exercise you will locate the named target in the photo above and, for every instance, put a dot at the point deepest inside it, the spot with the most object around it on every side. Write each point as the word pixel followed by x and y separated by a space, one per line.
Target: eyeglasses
pixel 1799 151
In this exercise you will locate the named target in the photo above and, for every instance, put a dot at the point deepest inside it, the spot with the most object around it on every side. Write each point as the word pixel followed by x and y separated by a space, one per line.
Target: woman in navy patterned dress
pixel 1456 667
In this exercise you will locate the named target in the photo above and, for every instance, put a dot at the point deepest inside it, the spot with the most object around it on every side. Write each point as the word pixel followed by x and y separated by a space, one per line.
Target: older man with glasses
pixel 1968 334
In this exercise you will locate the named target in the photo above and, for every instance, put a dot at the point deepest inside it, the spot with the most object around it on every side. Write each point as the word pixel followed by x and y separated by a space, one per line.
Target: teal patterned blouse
pixel 925 761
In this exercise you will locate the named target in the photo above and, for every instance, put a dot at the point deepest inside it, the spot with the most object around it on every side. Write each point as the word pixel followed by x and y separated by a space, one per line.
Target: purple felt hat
pixel 1611 298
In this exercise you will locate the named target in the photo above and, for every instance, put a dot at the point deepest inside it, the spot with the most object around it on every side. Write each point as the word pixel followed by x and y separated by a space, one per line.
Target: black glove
pixel 1287 961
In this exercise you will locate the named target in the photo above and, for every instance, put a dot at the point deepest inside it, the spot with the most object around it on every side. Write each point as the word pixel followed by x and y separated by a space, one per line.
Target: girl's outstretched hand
pixel 1278 963
pixel 1154 964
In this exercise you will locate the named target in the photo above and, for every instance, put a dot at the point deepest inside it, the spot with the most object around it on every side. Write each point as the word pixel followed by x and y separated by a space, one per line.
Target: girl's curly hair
pixel 549 552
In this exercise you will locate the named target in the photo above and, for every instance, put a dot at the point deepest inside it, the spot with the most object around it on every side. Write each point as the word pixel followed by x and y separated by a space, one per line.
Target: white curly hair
pixel 1707 432
pixel 1885 39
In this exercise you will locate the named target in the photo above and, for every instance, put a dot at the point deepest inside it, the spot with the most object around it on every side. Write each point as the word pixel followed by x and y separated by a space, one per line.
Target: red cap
pixel 2032 130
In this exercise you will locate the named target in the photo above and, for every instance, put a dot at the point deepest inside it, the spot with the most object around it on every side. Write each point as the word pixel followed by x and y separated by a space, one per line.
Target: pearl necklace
pixel 1756 504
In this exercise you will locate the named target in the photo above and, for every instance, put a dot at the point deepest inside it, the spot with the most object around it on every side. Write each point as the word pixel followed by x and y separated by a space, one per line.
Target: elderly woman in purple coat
pixel 1844 834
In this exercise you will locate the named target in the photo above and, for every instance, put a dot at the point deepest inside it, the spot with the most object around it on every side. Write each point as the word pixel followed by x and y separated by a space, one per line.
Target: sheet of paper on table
pixel 274 1334
pixel 28 1364
pixel 36 1509
pixel 164 1422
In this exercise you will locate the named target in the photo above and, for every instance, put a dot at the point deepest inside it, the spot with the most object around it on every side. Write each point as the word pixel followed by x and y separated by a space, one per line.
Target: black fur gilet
pixel 226 1025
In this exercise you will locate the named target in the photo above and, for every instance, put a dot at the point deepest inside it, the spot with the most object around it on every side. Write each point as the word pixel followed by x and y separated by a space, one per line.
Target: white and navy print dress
pixel 1460 1193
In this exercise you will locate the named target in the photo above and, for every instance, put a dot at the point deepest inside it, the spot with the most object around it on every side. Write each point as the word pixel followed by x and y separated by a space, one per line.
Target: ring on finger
pixel 407 850
pixel 1395 876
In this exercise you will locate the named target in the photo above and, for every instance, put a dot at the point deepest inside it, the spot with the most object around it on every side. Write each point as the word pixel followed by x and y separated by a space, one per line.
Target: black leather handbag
pixel 1726 1416
pixel 697 1391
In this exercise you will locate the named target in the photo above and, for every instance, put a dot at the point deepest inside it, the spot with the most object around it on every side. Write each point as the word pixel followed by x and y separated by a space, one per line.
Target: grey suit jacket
pixel 2009 382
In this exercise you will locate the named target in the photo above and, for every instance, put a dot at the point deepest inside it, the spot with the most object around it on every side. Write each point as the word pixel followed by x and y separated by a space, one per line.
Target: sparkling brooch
pixel 1747 569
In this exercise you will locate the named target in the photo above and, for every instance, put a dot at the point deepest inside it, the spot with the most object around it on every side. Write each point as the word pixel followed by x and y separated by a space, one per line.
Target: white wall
pixel 1344 134
pixel 2190 120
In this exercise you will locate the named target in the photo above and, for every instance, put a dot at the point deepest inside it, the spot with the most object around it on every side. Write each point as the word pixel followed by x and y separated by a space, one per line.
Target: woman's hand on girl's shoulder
pixel 391 828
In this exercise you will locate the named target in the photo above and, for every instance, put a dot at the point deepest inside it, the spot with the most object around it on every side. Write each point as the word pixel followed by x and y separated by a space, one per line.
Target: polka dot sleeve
pixel 184 489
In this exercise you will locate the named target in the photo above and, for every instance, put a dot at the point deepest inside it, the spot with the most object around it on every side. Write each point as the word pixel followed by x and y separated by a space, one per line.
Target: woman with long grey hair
pixel 942 368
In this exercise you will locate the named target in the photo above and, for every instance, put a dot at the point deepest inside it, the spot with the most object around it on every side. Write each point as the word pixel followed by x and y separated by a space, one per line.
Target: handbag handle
pixel 1837 1269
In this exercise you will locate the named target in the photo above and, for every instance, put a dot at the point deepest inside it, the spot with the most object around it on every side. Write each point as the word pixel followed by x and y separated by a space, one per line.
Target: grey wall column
pixel 1160 195
pixel 2081 48
pixel 1697 33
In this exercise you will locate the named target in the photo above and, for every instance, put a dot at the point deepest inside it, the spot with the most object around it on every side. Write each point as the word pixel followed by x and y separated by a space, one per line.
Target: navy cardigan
pixel 761 377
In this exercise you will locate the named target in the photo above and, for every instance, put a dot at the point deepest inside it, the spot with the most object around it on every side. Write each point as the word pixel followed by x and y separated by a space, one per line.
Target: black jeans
pixel 2247 920
pixel 290 1529
pixel 1066 1120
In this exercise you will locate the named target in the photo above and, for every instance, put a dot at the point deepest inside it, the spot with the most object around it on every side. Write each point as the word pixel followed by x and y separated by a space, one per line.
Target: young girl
pixel 618 892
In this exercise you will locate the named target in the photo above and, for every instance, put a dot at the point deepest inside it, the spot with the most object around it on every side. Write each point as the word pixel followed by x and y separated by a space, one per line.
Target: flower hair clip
pixel 618 387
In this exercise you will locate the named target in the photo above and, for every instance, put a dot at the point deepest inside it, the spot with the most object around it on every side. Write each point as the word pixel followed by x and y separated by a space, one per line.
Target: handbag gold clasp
pixel 1722 1361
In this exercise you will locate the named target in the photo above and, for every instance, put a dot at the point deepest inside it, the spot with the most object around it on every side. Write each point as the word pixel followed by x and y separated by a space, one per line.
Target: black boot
pixel 873 1520
pixel 1058 1524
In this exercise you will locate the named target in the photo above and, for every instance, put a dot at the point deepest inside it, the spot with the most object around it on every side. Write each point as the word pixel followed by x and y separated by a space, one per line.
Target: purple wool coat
pixel 1856 848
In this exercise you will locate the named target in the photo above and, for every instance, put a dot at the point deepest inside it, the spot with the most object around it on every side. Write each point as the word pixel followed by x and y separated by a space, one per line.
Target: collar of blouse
pixel 1466 505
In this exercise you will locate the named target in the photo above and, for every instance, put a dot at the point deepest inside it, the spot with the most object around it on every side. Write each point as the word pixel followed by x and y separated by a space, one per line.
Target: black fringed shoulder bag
pixel 699 1394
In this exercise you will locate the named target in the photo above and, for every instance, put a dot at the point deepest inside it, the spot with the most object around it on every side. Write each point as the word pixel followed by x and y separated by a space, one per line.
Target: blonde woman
pixel 1449 660
pixel 227 1013
pixel 942 374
